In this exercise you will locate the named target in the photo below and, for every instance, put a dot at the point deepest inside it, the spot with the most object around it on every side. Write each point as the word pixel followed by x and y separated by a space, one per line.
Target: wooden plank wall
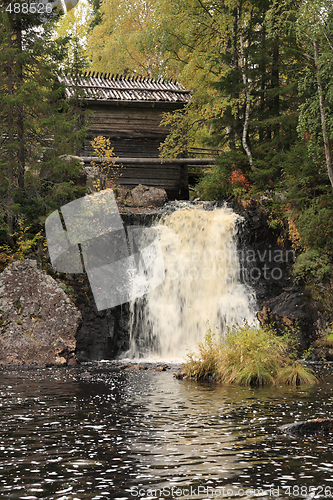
pixel 134 132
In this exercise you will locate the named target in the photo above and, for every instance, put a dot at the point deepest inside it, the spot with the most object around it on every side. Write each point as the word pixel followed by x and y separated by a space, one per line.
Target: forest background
pixel 261 76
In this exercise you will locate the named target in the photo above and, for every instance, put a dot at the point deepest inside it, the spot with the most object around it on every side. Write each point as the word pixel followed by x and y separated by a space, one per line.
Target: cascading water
pixel 201 288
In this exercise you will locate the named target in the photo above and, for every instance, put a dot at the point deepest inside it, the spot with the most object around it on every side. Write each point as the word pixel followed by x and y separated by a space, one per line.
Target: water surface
pixel 97 432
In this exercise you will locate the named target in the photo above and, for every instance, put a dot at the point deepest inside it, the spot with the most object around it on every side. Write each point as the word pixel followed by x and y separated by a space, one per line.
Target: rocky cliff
pixel 38 322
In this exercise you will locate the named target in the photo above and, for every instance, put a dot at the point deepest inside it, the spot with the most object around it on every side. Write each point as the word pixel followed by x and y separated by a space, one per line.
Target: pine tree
pixel 38 125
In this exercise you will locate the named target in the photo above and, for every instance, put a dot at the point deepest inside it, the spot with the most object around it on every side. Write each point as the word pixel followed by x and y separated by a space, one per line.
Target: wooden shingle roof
pixel 106 87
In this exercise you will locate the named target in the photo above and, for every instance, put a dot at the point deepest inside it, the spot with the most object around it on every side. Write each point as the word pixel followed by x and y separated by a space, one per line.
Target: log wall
pixel 135 132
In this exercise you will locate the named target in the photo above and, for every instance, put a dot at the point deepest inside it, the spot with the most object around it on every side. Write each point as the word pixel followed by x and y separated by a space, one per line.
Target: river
pixel 97 432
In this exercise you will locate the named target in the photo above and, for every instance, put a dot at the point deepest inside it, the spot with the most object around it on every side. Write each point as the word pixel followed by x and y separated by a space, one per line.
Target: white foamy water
pixel 201 289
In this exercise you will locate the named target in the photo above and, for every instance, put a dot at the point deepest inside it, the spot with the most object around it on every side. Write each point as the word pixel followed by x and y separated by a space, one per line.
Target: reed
pixel 248 355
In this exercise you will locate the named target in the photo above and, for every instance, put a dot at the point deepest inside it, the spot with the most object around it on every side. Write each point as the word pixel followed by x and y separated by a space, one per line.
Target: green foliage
pixel 206 363
pixel 69 290
pixel 311 265
pixel 96 13
pixel 39 127
pixel 214 185
pixel 321 344
pixel 177 141
pixel 123 38
pixel 238 57
pixel 316 225
pixel 248 355
pixel 27 239
pixel 308 353
pixel 252 356
pixel 303 178
pixel 295 373
pixel 75 25
pixel 219 181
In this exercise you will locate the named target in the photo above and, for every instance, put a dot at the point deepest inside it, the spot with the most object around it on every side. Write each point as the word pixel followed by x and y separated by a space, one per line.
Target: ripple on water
pixel 65 435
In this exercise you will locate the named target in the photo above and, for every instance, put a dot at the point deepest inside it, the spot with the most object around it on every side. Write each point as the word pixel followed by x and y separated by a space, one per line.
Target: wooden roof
pixel 106 87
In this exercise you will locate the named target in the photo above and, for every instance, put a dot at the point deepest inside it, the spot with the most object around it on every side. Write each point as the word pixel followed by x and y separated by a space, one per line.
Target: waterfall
pixel 201 289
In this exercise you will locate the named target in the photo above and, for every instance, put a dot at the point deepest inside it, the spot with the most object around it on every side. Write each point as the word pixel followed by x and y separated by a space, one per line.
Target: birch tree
pixel 315 31
pixel 122 42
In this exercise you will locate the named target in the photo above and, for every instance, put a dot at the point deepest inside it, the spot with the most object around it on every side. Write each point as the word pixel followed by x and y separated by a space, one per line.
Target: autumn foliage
pixel 107 166
pixel 238 180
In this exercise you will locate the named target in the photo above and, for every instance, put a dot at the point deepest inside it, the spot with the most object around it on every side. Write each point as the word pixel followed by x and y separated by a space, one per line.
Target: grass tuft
pixel 296 374
pixel 248 355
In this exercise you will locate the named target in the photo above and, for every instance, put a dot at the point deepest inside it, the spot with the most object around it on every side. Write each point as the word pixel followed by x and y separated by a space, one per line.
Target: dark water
pixel 66 434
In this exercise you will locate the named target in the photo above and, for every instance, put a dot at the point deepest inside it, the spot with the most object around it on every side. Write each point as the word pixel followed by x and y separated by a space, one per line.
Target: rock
pixel 60 361
pixel 322 350
pixel 265 264
pixel 321 353
pixel 38 322
pixel 180 374
pixel 309 427
pixel 292 311
pixel 102 334
pixel 144 196
pixel 94 179
pixel 123 196
pixel 133 368
pixel 160 368
pixel 124 367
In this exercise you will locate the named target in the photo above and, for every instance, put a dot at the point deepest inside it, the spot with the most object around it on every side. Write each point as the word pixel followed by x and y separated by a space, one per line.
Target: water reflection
pixel 95 432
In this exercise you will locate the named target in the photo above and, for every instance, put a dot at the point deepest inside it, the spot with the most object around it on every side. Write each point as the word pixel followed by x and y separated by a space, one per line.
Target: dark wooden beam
pixel 153 161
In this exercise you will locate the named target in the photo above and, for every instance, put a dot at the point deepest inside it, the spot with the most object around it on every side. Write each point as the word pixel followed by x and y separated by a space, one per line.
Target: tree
pixel 75 25
pixel 315 30
pixel 38 126
pixel 121 42
pixel 245 77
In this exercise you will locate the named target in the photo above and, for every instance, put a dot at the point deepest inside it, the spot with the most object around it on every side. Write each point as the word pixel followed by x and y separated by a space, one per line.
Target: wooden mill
pixel 128 110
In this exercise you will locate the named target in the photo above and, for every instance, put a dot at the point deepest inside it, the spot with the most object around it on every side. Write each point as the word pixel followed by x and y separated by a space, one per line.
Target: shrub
pixel 214 185
pixel 315 224
pixel 108 168
pixel 226 178
pixel 311 264
pixel 248 355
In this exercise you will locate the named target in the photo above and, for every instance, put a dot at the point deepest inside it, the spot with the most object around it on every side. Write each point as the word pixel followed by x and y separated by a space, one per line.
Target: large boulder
pixel 292 311
pixel 144 196
pixel 38 322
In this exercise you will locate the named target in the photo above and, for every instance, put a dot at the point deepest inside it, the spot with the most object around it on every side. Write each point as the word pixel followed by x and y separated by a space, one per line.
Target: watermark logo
pixel 208 491
pixel 41 10
pixel 227 263
pixel 88 235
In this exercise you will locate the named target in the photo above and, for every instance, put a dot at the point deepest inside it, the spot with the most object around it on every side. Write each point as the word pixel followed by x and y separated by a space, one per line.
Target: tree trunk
pixel 20 125
pixel 263 85
pixel 327 145
pixel 275 106
pixel 11 160
pixel 247 104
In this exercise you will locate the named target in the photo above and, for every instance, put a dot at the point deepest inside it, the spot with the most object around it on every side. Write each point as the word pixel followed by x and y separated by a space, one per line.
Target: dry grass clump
pixel 248 356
